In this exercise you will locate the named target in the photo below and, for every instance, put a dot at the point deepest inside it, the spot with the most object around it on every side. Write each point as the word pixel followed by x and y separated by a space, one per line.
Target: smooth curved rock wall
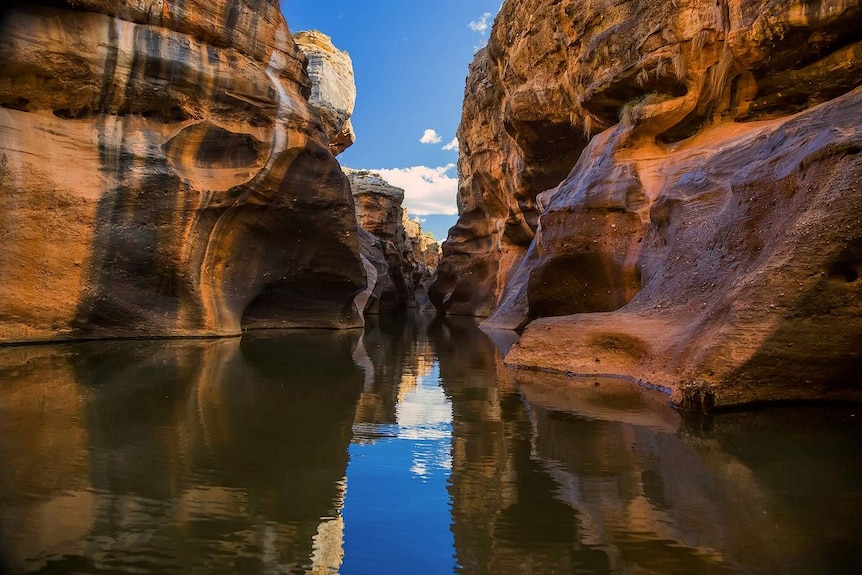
pixel 162 173
pixel 694 167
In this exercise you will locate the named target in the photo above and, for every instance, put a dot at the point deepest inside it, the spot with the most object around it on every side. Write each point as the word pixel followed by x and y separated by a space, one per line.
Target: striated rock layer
pixel 668 192
pixel 400 258
pixel 162 173
pixel 333 91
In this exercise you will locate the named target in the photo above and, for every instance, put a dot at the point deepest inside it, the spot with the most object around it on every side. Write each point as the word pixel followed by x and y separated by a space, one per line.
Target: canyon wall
pixel 668 192
pixel 399 257
pixel 163 173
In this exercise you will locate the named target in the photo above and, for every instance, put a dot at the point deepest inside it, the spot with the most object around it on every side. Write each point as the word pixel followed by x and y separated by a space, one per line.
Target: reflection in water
pixel 175 456
pixel 404 449
pixel 396 515
pixel 610 480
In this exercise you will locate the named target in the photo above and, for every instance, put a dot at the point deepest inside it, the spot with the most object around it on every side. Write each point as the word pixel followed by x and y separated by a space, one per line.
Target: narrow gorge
pixel 227 345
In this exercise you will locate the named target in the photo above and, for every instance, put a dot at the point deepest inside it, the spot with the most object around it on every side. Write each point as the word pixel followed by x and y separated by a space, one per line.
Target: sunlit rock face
pixel 673 186
pixel 496 220
pixel 162 173
pixel 403 257
pixel 333 91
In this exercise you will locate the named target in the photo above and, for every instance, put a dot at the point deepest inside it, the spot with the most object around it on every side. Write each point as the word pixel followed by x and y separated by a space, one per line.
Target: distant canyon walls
pixel 162 172
pixel 668 191
pixel 400 258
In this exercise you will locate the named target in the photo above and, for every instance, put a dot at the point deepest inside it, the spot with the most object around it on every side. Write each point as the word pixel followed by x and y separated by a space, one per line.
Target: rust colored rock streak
pixel 163 174
pixel 707 235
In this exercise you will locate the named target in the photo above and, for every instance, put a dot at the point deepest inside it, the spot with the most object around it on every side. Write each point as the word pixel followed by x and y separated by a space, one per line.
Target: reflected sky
pixel 397 517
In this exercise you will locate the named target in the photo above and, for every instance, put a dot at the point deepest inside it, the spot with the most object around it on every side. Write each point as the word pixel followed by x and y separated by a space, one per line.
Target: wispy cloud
pixel 480 25
pixel 426 190
pixel 453 145
pixel 431 137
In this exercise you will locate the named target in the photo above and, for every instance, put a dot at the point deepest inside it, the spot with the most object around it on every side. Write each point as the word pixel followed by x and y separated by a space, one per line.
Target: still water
pixel 406 449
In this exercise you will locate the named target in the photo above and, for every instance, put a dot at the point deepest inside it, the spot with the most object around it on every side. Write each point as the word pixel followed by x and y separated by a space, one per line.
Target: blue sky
pixel 410 61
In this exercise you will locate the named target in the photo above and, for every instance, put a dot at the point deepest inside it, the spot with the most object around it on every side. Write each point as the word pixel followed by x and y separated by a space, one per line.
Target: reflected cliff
pixel 556 475
pixel 404 448
pixel 163 456
pixel 770 492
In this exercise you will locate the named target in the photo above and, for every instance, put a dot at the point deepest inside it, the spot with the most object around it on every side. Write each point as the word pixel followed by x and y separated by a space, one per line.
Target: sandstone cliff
pixel 400 258
pixel 422 253
pixel 333 91
pixel 673 187
pixel 162 173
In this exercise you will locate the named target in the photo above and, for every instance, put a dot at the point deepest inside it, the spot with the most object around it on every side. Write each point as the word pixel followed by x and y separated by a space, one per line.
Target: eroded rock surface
pixel 333 91
pixel 403 257
pixel 695 169
pixel 162 173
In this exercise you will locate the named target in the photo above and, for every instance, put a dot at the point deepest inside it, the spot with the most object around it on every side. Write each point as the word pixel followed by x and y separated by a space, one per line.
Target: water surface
pixel 406 448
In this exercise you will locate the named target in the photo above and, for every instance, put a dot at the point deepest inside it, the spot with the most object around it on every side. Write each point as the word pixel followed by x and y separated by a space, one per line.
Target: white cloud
pixel 453 145
pixel 426 190
pixel 431 137
pixel 480 25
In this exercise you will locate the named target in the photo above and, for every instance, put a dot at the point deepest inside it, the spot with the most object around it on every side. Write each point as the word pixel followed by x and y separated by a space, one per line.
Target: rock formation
pixel 400 258
pixel 422 254
pixel 673 188
pixel 333 91
pixel 496 220
pixel 162 173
